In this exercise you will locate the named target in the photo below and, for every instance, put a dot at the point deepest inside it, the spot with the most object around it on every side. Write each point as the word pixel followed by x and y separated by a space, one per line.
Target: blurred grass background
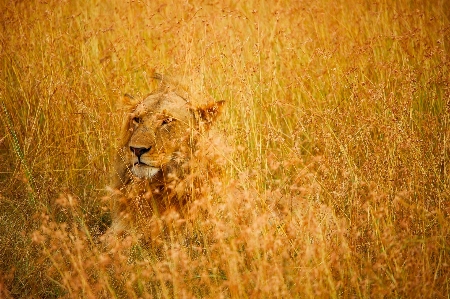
pixel 337 111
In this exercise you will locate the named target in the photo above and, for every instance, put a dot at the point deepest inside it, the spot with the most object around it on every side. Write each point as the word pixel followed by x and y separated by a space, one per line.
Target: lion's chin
pixel 144 171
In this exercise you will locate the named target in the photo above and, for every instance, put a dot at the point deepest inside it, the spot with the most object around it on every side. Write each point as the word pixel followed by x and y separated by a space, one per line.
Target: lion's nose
pixel 139 151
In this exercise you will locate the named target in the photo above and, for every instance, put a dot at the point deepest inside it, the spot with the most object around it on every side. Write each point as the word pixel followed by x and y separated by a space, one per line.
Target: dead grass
pixel 337 115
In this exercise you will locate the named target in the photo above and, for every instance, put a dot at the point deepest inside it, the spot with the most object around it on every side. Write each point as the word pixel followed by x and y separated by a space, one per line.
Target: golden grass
pixel 337 116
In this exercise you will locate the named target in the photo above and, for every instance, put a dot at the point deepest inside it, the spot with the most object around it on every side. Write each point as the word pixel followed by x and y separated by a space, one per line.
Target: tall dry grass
pixel 337 124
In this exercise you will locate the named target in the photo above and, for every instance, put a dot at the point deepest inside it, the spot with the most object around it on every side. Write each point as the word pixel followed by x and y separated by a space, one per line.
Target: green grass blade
pixel 20 155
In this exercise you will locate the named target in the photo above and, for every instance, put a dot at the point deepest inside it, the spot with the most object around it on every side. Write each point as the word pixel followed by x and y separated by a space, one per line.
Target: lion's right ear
pixel 128 102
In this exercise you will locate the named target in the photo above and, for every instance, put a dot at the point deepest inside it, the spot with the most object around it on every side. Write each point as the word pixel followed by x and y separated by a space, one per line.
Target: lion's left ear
pixel 208 113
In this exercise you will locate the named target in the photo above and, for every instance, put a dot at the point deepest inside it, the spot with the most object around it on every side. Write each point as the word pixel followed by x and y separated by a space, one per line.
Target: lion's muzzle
pixel 144 171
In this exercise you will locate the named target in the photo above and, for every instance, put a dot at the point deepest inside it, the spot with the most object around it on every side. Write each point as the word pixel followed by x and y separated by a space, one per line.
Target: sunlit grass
pixel 337 130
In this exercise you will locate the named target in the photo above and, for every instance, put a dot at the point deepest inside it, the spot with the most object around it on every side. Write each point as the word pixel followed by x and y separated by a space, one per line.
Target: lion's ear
pixel 128 101
pixel 208 113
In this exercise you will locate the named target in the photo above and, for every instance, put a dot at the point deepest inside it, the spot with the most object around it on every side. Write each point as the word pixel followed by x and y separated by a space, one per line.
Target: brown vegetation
pixel 336 164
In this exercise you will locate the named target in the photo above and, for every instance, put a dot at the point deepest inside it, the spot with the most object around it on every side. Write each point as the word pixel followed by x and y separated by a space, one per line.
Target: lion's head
pixel 159 136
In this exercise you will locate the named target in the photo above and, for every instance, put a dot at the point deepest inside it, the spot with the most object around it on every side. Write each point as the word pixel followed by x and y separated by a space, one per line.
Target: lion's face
pixel 158 134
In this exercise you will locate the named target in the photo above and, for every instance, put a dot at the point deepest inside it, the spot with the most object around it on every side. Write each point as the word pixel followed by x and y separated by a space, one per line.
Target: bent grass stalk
pixel 7 122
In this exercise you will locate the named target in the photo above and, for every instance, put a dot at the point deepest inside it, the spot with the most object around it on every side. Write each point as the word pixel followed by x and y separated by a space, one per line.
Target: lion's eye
pixel 167 121
pixel 137 120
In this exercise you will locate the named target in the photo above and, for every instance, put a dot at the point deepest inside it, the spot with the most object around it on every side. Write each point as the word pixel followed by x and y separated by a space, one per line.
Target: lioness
pixel 157 164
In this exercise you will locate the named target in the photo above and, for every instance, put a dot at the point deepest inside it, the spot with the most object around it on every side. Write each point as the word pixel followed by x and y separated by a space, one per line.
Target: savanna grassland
pixel 336 152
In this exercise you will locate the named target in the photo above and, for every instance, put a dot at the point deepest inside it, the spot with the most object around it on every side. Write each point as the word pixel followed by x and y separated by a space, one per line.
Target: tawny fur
pixel 178 158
